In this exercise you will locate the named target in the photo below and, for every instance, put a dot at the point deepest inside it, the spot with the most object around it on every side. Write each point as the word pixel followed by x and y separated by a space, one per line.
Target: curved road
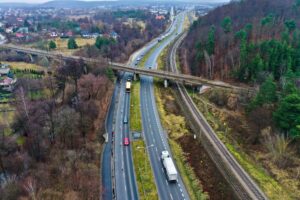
pixel 152 128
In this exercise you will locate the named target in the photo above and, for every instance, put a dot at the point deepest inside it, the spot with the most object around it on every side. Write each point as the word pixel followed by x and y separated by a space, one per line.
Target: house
pixel 20 35
pixel 95 35
pixel 53 34
pixel 19 19
pixel 7 80
pixel 64 35
pixel 4 70
pixel 86 34
pixel 114 35
pixel 69 34
pixel 23 30
pixel 9 30
pixel 159 17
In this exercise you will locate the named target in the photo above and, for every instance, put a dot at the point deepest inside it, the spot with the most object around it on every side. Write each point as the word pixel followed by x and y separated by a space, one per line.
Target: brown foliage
pixel 226 56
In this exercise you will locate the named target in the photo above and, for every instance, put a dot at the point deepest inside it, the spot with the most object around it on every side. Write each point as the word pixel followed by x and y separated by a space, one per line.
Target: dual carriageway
pixel 118 171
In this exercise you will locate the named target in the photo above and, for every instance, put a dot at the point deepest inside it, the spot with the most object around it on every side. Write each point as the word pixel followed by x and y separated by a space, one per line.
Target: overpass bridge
pixel 167 75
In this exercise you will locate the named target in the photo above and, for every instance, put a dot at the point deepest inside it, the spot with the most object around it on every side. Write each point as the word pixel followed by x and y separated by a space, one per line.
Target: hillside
pixel 243 30
pixel 257 43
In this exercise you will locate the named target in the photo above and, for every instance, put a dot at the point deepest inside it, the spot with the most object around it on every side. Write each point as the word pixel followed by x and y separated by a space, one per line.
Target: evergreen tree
pixel 72 44
pixel 52 45
pixel 290 25
pixel 226 24
pixel 211 40
pixel 287 116
pixel 199 54
pixel 265 95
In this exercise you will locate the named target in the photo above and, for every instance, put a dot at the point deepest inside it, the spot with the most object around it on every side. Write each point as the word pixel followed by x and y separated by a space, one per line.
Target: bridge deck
pixel 183 78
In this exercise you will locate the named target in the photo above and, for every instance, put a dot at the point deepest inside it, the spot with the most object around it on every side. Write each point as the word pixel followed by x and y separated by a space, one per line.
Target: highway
pixel 124 180
pixel 152 129
pixel 238 178
pixel 106 173
pixel 124 175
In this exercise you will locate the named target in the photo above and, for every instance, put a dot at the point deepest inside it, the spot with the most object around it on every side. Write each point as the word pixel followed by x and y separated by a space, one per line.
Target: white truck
pixel 169 166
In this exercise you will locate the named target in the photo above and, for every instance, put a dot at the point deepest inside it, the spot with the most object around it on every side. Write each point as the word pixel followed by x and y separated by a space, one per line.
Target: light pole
pixel 139 147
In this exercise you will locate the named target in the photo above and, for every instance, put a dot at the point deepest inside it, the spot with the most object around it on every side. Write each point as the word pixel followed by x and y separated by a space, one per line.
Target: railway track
pixel 241 182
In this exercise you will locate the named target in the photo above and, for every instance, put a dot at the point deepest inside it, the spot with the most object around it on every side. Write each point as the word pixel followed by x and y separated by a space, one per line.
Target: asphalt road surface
pixel 153 132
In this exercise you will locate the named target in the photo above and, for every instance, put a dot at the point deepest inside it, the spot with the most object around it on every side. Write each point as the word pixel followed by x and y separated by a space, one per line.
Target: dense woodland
pixel 131 37
pixel 256 42
pixel 52 148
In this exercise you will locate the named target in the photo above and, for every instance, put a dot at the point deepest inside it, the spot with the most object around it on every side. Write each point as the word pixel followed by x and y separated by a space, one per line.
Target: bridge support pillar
pixel 135 77
pixel 166 83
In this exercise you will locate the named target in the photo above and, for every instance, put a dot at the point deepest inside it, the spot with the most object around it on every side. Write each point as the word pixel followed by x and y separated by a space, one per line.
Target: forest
pixel 51 147
pixel 253 42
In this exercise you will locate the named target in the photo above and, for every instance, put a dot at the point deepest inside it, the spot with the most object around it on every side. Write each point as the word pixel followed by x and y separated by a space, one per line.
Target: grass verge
pixel 135 110
pixel 267 183
pixel 143 171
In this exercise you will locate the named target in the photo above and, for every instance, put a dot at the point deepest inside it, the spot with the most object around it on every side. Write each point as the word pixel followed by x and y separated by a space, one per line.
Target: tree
pixel 266 94
pixel 26 23
pixel 72 44
pixel 211 40
pixel 199 54
pixel 66 121
pixel 226 24
pixel 74 70
pixel 267 20
pixel 290 25
pixel 52 45
pixel 287 116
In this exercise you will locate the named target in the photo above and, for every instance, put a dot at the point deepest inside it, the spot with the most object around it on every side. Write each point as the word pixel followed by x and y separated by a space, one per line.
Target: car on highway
pixel 125 120
pixel 126 141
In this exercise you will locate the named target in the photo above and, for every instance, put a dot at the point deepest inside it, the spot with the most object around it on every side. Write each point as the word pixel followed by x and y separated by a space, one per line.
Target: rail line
pixel 241 182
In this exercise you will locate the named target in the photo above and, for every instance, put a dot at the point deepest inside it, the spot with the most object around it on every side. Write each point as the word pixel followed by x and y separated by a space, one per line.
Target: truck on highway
pixel 169 166
pixel 128 86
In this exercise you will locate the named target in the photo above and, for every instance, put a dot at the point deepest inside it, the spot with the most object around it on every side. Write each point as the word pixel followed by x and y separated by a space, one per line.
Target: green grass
pixel 143 171
pixel 268 184
pixel 135 110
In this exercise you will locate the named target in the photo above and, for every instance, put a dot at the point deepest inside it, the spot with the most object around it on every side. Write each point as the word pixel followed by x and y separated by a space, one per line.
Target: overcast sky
pixel 41 1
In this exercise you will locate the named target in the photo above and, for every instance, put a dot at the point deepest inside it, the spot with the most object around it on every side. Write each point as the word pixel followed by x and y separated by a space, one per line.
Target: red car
pixel 126 141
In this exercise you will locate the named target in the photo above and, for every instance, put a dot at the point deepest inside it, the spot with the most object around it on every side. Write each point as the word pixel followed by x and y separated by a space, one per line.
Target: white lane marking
pixel 171 196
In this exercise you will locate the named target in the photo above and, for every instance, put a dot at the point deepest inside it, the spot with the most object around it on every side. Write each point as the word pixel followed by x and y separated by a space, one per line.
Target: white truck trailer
pixel 169 166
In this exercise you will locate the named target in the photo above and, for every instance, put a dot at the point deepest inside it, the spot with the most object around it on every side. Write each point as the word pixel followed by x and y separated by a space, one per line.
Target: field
pixel 24 65
pixel 62 44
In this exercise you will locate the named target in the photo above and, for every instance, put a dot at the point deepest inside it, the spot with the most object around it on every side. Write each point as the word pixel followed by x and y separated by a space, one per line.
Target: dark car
pixel 125 120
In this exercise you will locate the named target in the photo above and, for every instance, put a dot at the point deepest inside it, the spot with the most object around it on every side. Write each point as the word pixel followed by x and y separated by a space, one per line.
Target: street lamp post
pixel 138 147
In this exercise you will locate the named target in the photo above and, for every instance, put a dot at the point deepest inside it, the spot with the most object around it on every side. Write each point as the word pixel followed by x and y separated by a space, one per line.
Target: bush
pixel 72 44
pixel 52 45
